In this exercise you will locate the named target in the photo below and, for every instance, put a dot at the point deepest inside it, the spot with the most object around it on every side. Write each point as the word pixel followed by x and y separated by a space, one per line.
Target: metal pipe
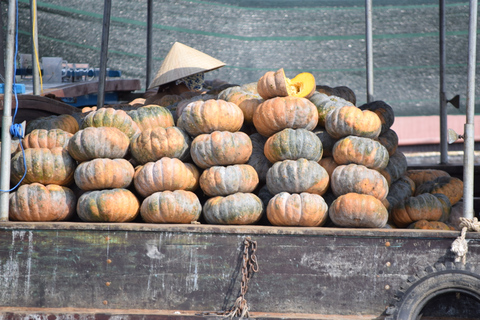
pixel 369 49
pixel 2 46
pixel 35 73
pixel 149 42
pixel 469 147
pixel 443 99
pixel 107 8
pixel 7 112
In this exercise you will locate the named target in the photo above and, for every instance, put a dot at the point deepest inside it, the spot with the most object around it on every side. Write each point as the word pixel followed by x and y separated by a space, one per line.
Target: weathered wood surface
pixel 325 271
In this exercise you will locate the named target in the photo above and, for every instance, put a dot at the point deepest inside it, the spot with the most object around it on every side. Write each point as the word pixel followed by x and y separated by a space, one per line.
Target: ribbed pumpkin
pixel 396 167
pixel 452 187
pixel 446 206
pixel 429 225
pixel 201 117
pixel 274 115
pixel 276 84
pixel 41 138
pixel 222 181
pixel 327 141
pixel 360 150
pixel 109 205
pixel 166 174
pixel 325 104
pixel 37 202
pixel 152 116
pixel 177 206
pixel 248 102
pixel 45 166
pixel 355 210
pixel 297 176
pixel 422 207
pixel 329 164
pixel 64 122
pixel 182 104
pixel 237 209
pixel 109 117
pixel 155 143
pixel 358 179
pixel 420 176
pixel 293 144
pixel 297 210
pixel 221 148
pixel 104 173
pixel 389 139
pixel 400 190
pixel 194 177
pixel 101 142
pixel 257 159
pixel 351 121
pixel 341 91
pixel 383 110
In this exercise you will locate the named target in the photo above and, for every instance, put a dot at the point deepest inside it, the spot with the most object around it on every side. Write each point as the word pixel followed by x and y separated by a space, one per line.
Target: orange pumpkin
pixel 165 174
pixel 293 144
pixel 155 143
pixel 101 142
pixel 383 110
pixel 325 104
pixel 274 115
pixel 37 202
pixel 248 102
pixel 350 120
pixel 64 122
pixel 420 176
pixel 355 210
pixel 430 225
pixel 202 117
pixel 276 84
pixel 225 180
pixel 297 176
pixel 452 187
pixel 152 116
pixel 358 179
pixel 360 150
pixel 45 166
pixel 177 206
pixel 41 138
pixel 237 209
pixel 110 205
pixel 104 173
pixel 297 210
pixel 221 148
pixel 422 207
pixel 110 117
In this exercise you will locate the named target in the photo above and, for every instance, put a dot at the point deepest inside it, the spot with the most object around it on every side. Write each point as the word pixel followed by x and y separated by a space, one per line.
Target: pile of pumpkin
pixel 280 151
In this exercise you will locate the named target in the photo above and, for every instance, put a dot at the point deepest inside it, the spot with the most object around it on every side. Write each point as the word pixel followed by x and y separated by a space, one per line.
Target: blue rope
pixel 16 130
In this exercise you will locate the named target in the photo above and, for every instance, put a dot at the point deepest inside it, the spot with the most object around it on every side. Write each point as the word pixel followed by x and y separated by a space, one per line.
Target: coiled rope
pixel 460 245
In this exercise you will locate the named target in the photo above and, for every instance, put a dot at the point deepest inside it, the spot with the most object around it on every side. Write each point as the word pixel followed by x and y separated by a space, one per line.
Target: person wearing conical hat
pixel 182 71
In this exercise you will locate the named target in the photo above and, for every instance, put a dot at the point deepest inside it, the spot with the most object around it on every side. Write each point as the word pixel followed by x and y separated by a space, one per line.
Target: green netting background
pixel 326 38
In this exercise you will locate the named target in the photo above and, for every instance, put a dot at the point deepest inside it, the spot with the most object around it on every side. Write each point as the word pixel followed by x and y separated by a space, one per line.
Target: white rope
pixel 460 245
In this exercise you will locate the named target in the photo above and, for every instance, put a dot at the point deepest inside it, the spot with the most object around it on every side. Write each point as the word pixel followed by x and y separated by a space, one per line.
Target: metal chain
pixel 249 267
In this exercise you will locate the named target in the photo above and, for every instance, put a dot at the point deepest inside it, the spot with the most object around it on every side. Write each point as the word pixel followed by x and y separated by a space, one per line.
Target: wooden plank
pixel 160 267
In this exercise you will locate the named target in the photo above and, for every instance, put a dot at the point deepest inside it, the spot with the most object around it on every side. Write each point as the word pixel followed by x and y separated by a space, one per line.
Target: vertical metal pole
pixel 35 74
pixel 7 112
pixel 149 41
pixel 2 46
pixel 107 8
pixel 369 48
pixel 443 99
pixel 468 157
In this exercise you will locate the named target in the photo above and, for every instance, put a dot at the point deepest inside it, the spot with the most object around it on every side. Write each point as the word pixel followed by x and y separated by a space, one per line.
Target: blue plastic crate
pixel 19 87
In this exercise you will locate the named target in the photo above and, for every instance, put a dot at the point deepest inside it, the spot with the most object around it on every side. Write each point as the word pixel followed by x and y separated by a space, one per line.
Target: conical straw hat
pixel 182 61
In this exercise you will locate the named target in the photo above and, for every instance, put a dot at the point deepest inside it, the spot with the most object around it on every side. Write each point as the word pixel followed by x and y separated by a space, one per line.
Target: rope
pixel 460 245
